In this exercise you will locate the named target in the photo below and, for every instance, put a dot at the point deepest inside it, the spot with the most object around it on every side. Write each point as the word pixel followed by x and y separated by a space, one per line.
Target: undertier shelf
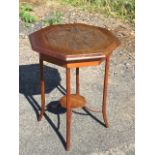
pixel 76 101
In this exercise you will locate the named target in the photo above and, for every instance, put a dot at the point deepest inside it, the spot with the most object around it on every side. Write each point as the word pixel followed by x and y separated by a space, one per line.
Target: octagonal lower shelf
pixel 76 101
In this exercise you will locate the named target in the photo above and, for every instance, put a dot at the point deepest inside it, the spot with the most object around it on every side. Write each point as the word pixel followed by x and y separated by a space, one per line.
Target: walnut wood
pixel 77 81
pixel 72 64
pixel 42 89
pixel 53 60
pixel 105 91
pixel 84 64
pixel 73 46
pixel 76 101
pixel 68 106
pixel 76 41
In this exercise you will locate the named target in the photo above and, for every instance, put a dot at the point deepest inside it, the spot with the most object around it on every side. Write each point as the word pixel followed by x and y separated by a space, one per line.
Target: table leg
pixel 105 91
pixel 42 90
pixel 68 114
pixel 77 81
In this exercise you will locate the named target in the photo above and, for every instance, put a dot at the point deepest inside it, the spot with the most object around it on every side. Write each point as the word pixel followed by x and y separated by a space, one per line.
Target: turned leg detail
pixel 42 90
pixel 68 114
pixel 105 91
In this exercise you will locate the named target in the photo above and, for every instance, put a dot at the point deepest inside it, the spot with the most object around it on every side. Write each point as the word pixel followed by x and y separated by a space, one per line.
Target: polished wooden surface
pixel 76 101
pixel 74 41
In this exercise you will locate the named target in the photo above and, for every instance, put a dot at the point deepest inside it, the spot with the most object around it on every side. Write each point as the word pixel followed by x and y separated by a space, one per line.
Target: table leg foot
pixel 40 116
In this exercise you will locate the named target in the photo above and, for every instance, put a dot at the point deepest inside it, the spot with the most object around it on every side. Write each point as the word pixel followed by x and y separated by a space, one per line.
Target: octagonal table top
pixel 76 41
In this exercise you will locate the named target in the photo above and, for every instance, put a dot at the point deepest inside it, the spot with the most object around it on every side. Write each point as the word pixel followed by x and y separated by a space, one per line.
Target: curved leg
pixel 77 81
pixel 105 91
pixel 42 90
pixel 68 114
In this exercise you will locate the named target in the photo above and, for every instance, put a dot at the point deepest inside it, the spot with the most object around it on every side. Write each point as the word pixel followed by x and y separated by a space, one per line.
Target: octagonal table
pixel 73 46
